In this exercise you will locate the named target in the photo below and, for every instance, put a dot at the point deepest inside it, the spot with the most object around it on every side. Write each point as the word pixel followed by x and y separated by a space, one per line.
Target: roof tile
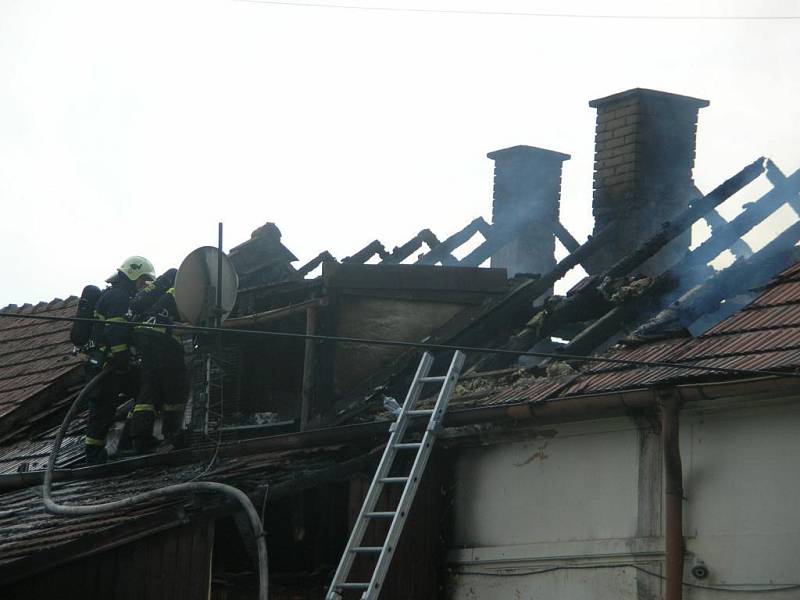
pixel 765 335
pixel 34 353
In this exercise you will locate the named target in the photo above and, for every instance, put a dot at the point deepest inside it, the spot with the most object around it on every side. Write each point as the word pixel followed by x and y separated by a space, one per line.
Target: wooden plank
pixel 154 569
pixel 127 574
pixel 609 323
pixel 469 327
pixel 108 563
pixel 198 576
pixel 211 529
pixel 91 577
pixel 740 276
pixel 442 252
pixel 367 252
pixel 739 247
pixel 88 545
pixel 272 315
pixel 417 560
pixel 400 253
pixel 565 237
pixel 169 563
pixel 684 220
pixel 322 257
pixel 180 583
pixel 307 406
pixel 724 236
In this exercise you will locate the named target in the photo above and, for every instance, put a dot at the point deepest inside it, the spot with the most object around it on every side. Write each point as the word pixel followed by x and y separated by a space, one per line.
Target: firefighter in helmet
pixel 164 384
pixel 110 349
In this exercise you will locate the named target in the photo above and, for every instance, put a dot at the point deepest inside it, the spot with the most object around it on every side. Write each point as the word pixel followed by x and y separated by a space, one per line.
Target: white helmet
pixel 134 267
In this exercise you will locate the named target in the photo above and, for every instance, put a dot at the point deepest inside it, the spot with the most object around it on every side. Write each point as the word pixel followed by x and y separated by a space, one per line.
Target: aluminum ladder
pixel 422 449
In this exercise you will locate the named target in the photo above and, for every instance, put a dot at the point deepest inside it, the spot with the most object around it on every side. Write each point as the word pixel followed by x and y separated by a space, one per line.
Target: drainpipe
pixel 670 403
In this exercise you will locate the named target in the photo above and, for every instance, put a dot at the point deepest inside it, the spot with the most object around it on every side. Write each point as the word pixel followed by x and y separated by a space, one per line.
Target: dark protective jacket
pixel 113 337
pixel 155 305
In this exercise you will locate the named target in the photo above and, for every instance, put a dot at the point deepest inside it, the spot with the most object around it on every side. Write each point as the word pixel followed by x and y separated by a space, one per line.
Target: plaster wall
pixel 742 488
pixel 578 514
pixel 382 318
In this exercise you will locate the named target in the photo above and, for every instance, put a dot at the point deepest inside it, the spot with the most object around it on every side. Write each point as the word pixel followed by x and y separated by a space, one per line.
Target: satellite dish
pixel 196 286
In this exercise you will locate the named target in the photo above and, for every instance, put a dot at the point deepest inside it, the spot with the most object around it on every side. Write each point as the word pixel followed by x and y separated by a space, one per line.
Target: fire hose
pixel 178 489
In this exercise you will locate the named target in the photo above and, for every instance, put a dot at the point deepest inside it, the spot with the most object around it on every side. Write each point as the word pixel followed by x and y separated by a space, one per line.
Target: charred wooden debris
pixel 298 422
pixel 627 301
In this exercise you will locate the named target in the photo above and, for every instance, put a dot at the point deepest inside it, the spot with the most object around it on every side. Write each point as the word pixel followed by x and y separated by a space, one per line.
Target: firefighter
pixel 163 374
pixel 110 349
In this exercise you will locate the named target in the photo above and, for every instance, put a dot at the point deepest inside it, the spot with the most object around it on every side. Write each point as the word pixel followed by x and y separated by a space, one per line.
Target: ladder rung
pixel 393 479
pixel 420 412
pixel 408 446
pixel 421 451
pixel 352 586
pixel 367 550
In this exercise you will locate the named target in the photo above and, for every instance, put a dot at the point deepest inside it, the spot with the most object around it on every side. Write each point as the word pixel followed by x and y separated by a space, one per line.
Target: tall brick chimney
pixel 527 190
pixel 644 155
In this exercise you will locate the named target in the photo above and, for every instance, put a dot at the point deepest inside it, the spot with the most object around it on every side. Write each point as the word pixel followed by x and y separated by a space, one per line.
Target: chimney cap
pixel 529 152
pixel 688 100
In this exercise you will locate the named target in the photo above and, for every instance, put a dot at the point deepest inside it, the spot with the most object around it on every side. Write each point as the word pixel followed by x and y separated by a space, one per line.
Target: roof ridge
pixel 52 304
pixel 40 306
pixel 56 303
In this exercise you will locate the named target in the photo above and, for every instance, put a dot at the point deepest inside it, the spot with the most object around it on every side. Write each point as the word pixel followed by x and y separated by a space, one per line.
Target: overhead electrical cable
pixel 424 345
pixel 511 13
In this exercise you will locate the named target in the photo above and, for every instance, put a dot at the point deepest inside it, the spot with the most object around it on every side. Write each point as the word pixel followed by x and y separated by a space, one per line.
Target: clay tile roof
pixel 34 354
pixel 765 335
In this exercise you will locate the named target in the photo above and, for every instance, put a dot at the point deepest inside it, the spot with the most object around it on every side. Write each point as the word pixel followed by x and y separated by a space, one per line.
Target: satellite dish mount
pixel 205 292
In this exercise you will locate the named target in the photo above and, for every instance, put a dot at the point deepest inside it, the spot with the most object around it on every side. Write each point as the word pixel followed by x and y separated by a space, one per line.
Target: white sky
pixel 134 127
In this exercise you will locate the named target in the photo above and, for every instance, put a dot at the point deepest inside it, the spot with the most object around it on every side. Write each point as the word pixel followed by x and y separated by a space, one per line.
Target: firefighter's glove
pixel 121 361
pixel 167 279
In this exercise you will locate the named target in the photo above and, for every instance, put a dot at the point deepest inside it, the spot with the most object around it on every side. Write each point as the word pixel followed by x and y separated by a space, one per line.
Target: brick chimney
pixel 644 155
pixel 527 190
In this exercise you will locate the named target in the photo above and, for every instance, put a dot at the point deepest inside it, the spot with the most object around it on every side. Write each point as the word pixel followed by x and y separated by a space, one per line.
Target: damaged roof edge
pixel 554 411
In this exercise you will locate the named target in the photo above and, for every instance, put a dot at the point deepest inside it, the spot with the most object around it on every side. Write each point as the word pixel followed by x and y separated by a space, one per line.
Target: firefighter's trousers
pixel 104 399
pixel 163 388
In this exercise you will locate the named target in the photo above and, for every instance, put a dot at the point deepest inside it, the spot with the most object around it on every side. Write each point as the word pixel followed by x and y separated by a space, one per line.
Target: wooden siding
pixel 173 565
pixel 414 572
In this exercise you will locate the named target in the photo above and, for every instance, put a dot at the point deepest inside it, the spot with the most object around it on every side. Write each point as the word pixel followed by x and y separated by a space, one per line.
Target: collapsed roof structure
pixel 297 423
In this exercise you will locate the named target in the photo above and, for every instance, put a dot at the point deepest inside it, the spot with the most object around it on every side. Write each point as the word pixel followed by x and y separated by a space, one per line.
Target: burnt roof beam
pixel 739 247
pixel 442 252
pixel 497 238
pixel 744 274
pixel 400 253
pixel 565 237
pixel 604 328
pixel 467 327
pixel 322 257
pixel 778 179
pixel 724 236
pixel 649 248
pixel 687 218
pixel 367 252
pixel 740 276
